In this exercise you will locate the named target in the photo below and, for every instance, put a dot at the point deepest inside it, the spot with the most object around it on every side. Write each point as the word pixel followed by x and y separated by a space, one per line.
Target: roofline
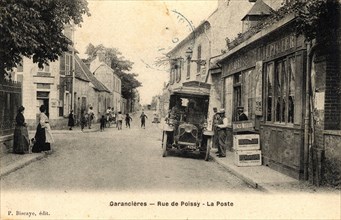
pixel 268 30
pixel 192 34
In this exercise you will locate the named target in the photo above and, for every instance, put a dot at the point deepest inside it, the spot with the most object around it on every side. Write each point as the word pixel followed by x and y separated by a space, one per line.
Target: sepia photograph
pixel 177 109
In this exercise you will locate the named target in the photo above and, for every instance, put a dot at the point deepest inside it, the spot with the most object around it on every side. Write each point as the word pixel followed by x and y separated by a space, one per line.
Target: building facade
pixel 107 76
pixel 288 89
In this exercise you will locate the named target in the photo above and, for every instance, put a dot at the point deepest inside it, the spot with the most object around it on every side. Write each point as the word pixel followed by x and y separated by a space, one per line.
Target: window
pixel 269 87
pixel 67 64
pixel 280 90
pixel 199 58
pixel 172 76
pixel 46 68
pixel 20 66
pixel 178 71
pixel 188 75
pixel 237 94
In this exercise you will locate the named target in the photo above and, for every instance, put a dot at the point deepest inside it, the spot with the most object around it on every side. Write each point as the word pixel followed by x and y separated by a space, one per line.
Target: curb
pixel 20 164
pixel 241 176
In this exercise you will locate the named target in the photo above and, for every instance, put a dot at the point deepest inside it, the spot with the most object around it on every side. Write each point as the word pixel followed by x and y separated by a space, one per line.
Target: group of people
pixel 43 137
pixel 109 117
pixel 220 124
pixel 118 119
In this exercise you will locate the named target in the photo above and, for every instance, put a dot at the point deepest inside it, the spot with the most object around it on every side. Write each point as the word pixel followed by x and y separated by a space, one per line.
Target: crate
pixel 246 142
pixel 248 158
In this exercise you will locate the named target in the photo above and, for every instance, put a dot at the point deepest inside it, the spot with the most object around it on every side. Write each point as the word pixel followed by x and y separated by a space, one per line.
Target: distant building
pixel 107 76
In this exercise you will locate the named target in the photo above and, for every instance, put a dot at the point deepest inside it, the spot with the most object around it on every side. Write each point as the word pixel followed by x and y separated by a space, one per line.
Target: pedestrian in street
pixel 221 131
pixel 83 120
pixel 71 122
pixel 108 115
pixel 102 122
pixel 143 120
pixel 120 118
pixel 91 116
pixel 128 119
pixel 43 136
pixel 216 118
pixel 21 141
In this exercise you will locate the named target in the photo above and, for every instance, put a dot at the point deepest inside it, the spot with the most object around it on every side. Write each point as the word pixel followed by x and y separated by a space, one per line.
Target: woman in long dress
pixel 43 137
pixel 21 141
pixel 71 121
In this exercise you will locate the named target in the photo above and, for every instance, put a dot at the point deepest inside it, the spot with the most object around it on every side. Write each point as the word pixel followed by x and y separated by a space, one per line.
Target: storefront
pixel 266 76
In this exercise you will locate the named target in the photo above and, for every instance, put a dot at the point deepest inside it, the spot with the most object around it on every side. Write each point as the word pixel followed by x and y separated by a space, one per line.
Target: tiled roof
pixel 259 8
pixel 84 71
pixel 80 71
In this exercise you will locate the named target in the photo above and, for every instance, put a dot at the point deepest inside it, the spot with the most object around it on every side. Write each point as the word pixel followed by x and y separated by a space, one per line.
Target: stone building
pixel 107 76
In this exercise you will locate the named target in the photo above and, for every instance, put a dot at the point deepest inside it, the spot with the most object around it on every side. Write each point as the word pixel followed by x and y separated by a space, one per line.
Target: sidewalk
pixel 11 162
pixel 268 180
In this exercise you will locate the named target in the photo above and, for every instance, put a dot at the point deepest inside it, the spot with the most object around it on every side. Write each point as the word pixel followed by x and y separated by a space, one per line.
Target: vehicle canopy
pixel 193 99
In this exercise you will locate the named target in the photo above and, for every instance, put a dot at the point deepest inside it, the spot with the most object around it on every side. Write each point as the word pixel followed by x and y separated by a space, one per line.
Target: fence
pixel 10 100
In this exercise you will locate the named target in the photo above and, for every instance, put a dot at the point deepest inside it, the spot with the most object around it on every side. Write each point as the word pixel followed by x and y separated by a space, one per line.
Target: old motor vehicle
pixel 186 128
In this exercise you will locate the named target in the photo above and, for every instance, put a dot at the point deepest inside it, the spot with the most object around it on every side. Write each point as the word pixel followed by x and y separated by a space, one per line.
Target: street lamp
pixel 189 53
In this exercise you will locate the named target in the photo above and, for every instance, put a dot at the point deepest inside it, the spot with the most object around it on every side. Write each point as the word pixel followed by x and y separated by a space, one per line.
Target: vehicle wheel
pixel 164 145
pixel 208 148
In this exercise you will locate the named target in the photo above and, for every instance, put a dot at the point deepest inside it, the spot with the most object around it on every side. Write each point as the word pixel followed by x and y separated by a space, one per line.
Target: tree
pixel 120 65
pixel 34 29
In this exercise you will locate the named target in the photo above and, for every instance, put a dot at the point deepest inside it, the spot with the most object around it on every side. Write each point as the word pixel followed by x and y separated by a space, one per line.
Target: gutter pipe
pixel 307 126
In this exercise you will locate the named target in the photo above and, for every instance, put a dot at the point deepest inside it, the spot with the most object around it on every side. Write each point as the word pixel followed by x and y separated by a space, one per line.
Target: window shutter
pixel 62 64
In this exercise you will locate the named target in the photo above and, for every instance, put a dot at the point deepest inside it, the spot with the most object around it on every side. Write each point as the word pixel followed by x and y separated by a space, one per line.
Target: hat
pixel 221 111
pixel 240 108
pixel 21 108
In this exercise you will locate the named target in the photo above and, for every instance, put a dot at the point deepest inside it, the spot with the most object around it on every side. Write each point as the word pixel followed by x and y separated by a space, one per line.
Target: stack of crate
pixel 247 150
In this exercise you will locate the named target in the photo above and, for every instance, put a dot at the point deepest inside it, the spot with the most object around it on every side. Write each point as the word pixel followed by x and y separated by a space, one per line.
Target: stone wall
pixel 331 169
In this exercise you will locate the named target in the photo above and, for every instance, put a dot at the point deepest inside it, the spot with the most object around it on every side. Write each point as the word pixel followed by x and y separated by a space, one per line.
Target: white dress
pixel 44 122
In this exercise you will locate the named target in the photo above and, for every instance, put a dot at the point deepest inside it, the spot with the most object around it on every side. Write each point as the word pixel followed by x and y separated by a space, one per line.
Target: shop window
pixel 237 94
pixel 280 90
pixel 269 87
pixel 291 98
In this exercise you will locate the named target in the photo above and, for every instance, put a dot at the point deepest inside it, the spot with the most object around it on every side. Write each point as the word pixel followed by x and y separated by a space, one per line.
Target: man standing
pixel 143 120
pixel 221 131
pixel 216 118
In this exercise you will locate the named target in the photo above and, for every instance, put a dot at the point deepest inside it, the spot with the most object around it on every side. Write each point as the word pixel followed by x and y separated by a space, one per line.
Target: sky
pixel 142 30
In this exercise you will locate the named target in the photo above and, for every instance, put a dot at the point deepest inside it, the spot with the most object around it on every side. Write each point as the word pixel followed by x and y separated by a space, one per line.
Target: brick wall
pixel 333 95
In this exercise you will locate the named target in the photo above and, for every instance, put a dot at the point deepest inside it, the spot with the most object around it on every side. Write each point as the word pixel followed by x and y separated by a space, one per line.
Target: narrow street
pixel 120 160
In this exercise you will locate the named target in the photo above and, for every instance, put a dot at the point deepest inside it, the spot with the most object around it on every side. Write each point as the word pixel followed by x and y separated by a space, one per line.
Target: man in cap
pixel 241 115
pixel 221 131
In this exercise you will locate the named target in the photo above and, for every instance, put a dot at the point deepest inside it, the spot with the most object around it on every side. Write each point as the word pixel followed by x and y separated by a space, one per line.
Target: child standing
pixel 128 119
pixel 83 120
pixel 119 120
pixel 103 122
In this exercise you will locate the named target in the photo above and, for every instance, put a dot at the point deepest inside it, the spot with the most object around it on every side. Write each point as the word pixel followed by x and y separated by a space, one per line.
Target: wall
pixel 31 78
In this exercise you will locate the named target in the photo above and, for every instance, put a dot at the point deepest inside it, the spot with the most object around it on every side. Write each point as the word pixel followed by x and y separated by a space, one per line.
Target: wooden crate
pixel 246 142
pixel 248 158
